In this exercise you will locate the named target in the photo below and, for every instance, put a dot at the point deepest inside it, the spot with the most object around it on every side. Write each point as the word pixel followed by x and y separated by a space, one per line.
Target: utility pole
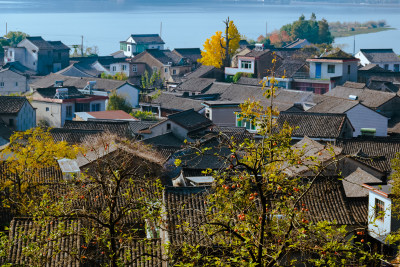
pixel 266 29
pixel 160 28
pixel 6 28
pixel 354 45
pixel 82 46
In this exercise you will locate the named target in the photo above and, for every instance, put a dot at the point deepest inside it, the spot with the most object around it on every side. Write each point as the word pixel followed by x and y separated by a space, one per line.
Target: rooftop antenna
pixel 160 28
pixel 266 29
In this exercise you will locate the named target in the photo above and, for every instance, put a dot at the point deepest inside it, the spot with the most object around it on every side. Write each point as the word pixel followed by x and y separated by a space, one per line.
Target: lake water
pixel 185 23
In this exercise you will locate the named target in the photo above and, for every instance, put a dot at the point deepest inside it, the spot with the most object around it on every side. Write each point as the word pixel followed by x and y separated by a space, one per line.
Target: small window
pixel 348 69
pixel 396 67
pixel 331 68
pixel 165 69
pixel 11 53
pixel 123 67
pixel 246 65
pixel 173 72
pixel 47 109
pixel 114 68
pixel 11 122
pixel 386 67
pixel 16 83
pixel 168 126
pixel 1 84
pixel 379 209
pixel 69 111
pixel 134 68
pixel 96 107
pixel 34 63
pixel 129 48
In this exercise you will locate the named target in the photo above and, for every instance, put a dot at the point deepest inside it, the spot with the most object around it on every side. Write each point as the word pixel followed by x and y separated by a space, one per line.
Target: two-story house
pixel 137 43
pixel 17 113
pixel 384 58
pixel 55 105
pixel 39 55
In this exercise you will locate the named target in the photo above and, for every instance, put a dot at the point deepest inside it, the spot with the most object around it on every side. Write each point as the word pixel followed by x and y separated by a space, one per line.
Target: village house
pixel 137 43
pixel 14 78
pixel 39 55
pixel 193 54
pixel 384 58
pixel 55 105
pixel 92 86
pixel 17 113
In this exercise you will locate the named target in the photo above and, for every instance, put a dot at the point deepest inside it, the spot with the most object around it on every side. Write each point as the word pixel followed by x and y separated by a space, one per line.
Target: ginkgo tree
pixel 219 49
pixel 256 213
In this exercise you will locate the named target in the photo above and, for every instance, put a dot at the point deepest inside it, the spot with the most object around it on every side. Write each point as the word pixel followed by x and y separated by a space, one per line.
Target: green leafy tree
pixel 151 82
pixel 324 32
pixel 15 37
pixel 256 214
pixel 117 102
pixel 144 115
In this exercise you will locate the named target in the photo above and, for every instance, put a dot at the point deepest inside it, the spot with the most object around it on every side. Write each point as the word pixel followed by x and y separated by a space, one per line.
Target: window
pixel 386 67
pixel 11 53
pixel 168 126
pixel 47 109
pixel 173 72
pixel 348 69
pixel 34 63
pixel 123 67
pixel 396 67
pixel 379 209
pixel 11 122
pixel 114 68
pixel 129 48
pixel 16 83
pixel 69 111
pixel 165 69
pixel 246 65
pixel 96 107
pixel 331 68
pixel 134 68
pixel 1 84
pixel 82 107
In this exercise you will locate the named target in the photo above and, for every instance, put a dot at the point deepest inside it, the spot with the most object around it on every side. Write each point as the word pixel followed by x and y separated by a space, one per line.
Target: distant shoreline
pixel 360 31
pixel 342 3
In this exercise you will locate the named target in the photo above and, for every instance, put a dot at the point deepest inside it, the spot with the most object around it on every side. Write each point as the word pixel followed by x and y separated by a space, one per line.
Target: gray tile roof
pixel 58 45
pixel 354 85
pixel 73 136
pixel 165 140
pixel 164 56
pixel 313 125
pixel 18 68
pixel 370 98
pixel 200 72
pixel 250 81
pixel 119 128
pixel 176 102
pixel 78 82
pixel 289 67
pixel 380 55
pixel 136 126
pixel 191 53
pixel 195 85
pixel 333 105
pixel 11 104
pixel 377 152
pixel 372 68
pixel 50 92
pixel 39 42
pixel 190 120
pixel 147 39
pixel 352 183
pixel 79 70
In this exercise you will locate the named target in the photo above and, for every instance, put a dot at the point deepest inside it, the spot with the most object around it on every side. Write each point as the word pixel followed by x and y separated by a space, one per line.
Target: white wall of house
pixel 324 70
pixel 120 67
pixel 12 83
pixel 49 112
pixel 31 54
pixel 12 54
pixel 363 117
pixel 379 228
pixel 131 94
pixel 385 65
pixel 163 128
pixel 222 116
pixel 244 65
pixel 26 118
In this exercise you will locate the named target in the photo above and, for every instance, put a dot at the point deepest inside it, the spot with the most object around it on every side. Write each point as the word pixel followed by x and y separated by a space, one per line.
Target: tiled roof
pixel 313 125
pixel 11 104
pixel 336 54
pixel 376 152
pixel 380 55
pixel 383 86
pixel 190 120
pixel 166 57
pixel 39 42
pixel 239 134
pixel 25 231
pixel 78 82
pixel 359 209
pixel 372 68
pixel 370 98
pixel 58 45
pixel 73 136
pixel 136 126
pixel 297 43
pixel 191 53
pixel 200 72
pixel 353 183
pixel 290 67
pixel 165 140
pixel 50 92
pixel 333 105
pixel 250 81
pixel 120 128
pixel 79 70
pixel 147 39
pixel 17 67
pixel 176 102
pixel 196 85
pixel 326 201
pixel 185 205
pixel 354 85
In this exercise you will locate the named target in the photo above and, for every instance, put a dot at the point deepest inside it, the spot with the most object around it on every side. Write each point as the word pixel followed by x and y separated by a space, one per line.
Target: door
pixel 318 70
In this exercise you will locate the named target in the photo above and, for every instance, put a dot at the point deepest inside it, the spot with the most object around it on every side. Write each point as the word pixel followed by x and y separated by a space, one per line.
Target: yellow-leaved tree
pixel 28 155
pixel 218 50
